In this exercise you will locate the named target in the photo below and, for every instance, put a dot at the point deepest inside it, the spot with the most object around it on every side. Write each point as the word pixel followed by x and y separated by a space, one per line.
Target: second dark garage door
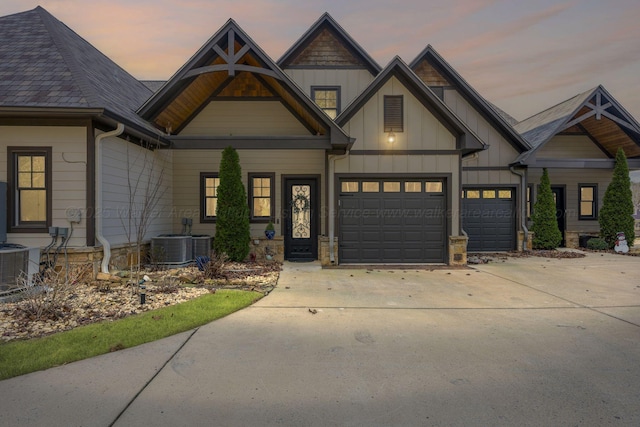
pixel 392 221
pixel 488 217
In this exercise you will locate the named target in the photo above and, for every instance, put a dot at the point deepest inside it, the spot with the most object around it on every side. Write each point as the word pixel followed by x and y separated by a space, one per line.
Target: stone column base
pixel 458 250
pixel 520 247
pixel 267 250
pixel 324 253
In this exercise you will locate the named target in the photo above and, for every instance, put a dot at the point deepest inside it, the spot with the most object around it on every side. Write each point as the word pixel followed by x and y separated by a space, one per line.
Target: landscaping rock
pixel 90 303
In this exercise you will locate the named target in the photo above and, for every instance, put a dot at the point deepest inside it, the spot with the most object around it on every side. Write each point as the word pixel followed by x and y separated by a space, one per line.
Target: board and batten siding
pixel 351 82
pixel 244 118
pixel 499 154
pixel 422 131
pixel 69 162
pixel 145 168
pixel 570 178
pixel 570 147
pixel 188 164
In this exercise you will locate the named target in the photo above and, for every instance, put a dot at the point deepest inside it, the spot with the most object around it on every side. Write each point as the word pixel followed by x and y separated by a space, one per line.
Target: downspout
pixel 106 247
pixel 523 207
pixel 474 156
pixel 332 207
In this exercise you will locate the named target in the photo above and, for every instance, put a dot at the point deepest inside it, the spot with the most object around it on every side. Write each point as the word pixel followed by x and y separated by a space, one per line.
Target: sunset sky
pixel 523 55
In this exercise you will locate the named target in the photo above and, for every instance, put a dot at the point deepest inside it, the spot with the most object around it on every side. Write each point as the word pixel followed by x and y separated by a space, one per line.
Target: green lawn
pixel 22 357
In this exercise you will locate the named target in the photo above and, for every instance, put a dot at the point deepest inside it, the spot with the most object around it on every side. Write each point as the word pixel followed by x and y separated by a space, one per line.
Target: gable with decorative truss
pixel 231 67
pixel 593 115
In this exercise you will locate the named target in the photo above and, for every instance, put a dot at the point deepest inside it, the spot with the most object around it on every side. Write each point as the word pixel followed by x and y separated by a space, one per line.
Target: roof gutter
pixel 106 247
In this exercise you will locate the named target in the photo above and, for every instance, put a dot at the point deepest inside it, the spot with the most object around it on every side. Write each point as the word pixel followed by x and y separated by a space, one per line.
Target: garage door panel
pixel 392 254
pixel 489 222
pixel 393 219
pixel 393 226
pixel 410 237
pixel 370 203
pixel 370 236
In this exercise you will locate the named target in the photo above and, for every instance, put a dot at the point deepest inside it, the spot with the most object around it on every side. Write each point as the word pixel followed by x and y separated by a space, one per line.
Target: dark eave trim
pixel 492 116
pixel 134 129
pixel 371 65
pixel 98 114
pixel 251 143
pixel 467 140
pixel 404 152
pixel 581 163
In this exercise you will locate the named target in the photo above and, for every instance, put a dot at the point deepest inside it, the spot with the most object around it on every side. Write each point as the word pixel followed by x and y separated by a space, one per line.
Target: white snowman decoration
pixel 621 243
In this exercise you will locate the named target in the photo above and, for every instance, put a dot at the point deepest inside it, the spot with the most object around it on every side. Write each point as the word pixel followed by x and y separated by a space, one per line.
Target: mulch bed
pixel 90 302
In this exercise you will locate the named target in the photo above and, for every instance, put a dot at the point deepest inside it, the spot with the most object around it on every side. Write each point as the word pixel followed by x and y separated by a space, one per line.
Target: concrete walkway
pixel 529 341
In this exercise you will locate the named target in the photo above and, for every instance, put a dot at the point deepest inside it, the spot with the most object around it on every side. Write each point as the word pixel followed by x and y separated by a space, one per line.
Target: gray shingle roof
pixel 43 63
pixel 506 116
pixel 540 127
pixel 153 85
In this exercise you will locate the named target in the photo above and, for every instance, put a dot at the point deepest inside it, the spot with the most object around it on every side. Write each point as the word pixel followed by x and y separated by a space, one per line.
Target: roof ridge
pixel 52 24
pixel 398 65
pixel 590 91
pixel 91 93
pixel 508 128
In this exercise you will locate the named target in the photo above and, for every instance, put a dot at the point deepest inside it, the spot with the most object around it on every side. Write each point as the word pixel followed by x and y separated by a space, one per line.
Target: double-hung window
pixel 328 99
pixel 209 183
pixel 588 201
pixel 29 172
pixel 262 196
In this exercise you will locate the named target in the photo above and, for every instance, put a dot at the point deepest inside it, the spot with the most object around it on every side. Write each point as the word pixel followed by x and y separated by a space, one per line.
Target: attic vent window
pixel 393 113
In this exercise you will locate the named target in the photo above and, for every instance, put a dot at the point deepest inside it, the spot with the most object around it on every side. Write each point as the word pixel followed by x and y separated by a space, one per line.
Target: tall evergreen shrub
pixel 232 211
pixel 616 214
pixel 545 223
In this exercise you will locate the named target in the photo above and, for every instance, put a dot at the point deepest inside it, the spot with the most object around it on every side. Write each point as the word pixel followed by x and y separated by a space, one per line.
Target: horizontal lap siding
pixel 244 118
pixel 188 164
pixel 571 178
pixel 69 150
pixel 570 147
pixel 118 156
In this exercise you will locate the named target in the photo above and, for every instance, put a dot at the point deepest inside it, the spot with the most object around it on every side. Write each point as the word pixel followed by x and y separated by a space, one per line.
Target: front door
pixel 558 197
pixel 300 217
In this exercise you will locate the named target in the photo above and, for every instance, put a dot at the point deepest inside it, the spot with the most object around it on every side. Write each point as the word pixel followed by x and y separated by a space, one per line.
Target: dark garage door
pixel 488 217
pixel 392 221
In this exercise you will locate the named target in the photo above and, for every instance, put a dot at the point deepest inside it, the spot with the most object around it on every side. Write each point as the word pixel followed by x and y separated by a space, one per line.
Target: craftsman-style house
pixel 355 163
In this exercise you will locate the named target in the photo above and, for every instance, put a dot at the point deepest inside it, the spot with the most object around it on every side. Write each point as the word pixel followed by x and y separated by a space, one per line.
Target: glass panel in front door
pixel 301 211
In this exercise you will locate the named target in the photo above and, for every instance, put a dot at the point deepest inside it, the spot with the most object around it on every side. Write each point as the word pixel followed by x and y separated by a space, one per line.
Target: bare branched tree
pixel 145 182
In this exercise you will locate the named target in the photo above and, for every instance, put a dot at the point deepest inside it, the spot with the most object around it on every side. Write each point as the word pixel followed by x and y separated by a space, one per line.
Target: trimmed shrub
pixel 597 244
pixel 545 223
pixel 616 214
pixel 232 211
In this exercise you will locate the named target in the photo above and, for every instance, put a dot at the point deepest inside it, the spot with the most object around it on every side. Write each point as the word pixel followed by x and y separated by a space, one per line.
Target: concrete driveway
pixel 529 341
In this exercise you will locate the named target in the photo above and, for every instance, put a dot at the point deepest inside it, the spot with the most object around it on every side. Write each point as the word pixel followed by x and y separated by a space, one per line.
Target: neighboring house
pixel 577 141
pixel 353 162
pixel 59 97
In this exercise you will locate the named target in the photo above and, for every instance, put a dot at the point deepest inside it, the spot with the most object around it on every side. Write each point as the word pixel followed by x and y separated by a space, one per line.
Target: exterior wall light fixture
pixel 391 137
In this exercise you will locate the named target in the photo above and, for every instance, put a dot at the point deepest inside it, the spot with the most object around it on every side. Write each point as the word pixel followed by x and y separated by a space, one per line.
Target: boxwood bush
pixel 597 244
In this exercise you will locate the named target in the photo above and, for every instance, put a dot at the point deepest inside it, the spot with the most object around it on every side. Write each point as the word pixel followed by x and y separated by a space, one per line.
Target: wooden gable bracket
pixel 231 60
pixel 598 110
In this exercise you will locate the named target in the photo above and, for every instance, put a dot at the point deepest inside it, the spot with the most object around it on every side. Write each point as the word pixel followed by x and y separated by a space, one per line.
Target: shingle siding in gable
pixel 326 50
pixel 430 75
